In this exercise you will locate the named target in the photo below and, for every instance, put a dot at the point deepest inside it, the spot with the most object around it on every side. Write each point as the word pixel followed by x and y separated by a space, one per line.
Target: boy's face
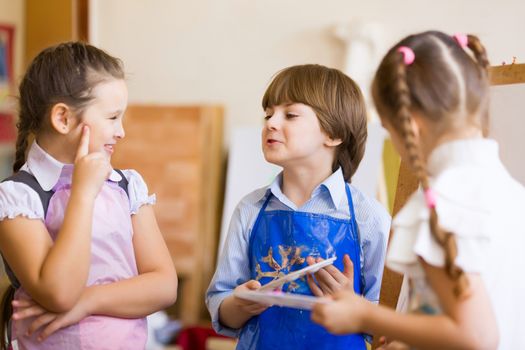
pixel 292 135
pixel 104 115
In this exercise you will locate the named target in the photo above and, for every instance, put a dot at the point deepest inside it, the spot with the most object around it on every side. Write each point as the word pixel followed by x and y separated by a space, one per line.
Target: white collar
pixel 47 169
pixel 476 151
pixel 335 184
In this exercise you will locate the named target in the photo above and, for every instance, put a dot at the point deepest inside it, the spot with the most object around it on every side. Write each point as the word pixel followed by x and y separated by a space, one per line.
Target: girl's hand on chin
pixel 91 169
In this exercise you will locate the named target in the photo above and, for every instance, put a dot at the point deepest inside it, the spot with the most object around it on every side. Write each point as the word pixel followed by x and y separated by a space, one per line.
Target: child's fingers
pixel 341 277
pixel 251 306
pixel 19 303
pixel 326 281
pixel 31 311
pixel 329 288
pixel 329 275
pixel 348 271
pixel 40 321
pixel 256 309
pixel 243 302
pixel 318 292
pixel 336 274
pixel 394 345
pixel 253 284
pixel 50 329
pixel 318 313
pixel 100 158
pixel 83 144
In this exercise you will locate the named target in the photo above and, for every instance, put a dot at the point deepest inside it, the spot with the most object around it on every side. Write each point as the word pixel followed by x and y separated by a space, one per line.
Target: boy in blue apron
pixel 315 129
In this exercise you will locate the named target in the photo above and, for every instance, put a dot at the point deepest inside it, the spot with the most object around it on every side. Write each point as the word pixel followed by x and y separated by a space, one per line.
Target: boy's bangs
pixel 285 88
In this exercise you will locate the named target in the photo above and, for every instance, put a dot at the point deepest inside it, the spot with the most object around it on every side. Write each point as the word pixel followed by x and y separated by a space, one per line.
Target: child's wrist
pixel 83 197
pixel 367 310
pixel 90 301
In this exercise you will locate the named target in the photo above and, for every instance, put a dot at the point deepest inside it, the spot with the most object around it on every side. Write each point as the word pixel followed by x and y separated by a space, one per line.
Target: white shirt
pixel 484 207
pixel 17 198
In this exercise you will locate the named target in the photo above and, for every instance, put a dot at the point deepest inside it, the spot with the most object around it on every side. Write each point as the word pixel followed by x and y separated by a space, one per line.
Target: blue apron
pixel 279 244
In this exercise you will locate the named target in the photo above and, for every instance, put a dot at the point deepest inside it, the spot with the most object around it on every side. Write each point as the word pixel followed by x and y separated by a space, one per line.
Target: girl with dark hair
pixel 315 129
pixel 459 238
pixel 81 246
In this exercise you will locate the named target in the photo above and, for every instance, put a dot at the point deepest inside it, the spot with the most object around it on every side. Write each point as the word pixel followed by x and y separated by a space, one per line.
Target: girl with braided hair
pixel 81 246
pixel 459 238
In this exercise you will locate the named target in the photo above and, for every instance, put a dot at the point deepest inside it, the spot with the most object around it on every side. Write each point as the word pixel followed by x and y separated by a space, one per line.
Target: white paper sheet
pixel 270 298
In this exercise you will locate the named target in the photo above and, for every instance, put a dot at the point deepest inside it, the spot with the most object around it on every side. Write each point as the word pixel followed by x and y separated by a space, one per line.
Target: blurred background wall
pixel 225 51
pixel 12 12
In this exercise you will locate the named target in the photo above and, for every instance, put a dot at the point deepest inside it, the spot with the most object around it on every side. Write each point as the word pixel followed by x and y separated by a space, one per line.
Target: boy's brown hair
pixel 337 102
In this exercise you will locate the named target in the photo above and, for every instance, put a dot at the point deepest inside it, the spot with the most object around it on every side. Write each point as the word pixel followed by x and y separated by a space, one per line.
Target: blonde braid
pixel 477 48
pixel 474 44
pixel 445 239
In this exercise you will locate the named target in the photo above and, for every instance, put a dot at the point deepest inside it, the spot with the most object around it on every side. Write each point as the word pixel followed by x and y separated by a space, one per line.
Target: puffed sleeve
pixel 18 199
pixel 138 191
pixel 470 224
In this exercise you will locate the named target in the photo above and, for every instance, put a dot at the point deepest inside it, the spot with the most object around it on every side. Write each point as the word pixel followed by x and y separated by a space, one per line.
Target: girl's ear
pixel 62 118
pixel 330 142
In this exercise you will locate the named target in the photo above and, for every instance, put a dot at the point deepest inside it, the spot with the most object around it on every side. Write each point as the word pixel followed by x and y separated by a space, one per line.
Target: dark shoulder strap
pixel 124 182
pixel 28 179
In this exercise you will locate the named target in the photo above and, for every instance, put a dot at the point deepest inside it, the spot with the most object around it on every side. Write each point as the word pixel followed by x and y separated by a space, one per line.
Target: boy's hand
pixel 330 279
pixel 91 169
pixel 250 307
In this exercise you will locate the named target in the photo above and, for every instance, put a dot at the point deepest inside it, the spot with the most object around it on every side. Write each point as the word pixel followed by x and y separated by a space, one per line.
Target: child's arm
pixel 467 323
pixel 153 289
pixel 230 313
pixel 234 311
pixel 55 274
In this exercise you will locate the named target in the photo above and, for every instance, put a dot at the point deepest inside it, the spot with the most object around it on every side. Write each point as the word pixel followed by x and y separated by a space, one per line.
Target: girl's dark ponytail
pixel 6 312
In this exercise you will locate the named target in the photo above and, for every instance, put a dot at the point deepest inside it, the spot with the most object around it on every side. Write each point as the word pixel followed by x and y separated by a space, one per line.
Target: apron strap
pixel 354 223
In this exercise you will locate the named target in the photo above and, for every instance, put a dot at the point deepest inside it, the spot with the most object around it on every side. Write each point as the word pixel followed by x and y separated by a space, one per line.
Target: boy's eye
pixel 291 115
pixel 266 117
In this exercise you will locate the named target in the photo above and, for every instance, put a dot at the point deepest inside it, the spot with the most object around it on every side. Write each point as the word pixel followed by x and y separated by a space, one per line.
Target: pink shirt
pixel 112 254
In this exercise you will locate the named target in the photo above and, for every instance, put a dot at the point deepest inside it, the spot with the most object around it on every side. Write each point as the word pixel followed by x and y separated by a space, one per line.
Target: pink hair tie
pixel 408 54
pixel 430 198
pixel 461 39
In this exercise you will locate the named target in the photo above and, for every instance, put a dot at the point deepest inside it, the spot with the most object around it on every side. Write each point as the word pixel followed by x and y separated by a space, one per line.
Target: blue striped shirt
pixel 328 198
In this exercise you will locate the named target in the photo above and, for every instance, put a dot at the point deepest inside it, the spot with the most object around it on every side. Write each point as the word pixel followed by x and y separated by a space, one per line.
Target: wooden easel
pixel 407 184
